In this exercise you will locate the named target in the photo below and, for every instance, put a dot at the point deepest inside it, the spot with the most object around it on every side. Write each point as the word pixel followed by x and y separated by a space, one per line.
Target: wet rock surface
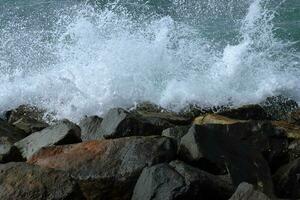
pixel 27 182
pixel 149 152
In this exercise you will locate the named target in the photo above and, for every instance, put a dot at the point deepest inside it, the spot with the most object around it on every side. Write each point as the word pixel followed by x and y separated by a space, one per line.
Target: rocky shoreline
pixel 150 153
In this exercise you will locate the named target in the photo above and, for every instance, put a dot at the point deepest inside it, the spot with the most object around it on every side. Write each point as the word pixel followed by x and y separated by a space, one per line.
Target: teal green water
pixel 81 57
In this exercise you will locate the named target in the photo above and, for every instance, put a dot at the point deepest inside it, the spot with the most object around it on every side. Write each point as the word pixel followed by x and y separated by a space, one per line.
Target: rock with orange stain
pixel 21 181
pixel 107 169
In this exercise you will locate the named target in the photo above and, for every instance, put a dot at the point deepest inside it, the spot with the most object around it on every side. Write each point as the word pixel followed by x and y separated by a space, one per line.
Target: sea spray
pixel 82 59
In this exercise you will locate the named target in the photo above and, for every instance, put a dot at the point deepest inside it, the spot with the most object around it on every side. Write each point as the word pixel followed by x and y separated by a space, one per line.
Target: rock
pixel 148 107
pixel 291 131
pixel 246 191
pixel 90 128
pixel 107 169
pixel 29 125
pixel 247 112
pixel 215 119
pixel 10 134
pixel 203 185
pixel 279 107
pixel 160 182
pixel 9 153
pixel 120 123
pixel 286 180
pixel 294 117
pixel 179 181
pixel 63 132
pixel 294 150
pixel 26 182
pixel 25 111
pixel 176 133
pixel 238 146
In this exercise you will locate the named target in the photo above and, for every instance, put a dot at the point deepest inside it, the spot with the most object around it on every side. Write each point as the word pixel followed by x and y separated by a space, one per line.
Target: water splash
pixel 91 60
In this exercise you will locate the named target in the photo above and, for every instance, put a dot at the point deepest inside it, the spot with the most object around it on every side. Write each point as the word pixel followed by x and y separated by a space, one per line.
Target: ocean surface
pixel 78 58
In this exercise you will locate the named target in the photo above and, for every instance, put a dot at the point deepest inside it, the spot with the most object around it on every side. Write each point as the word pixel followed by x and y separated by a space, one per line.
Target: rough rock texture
pixel 21 181
pixel 291 131
pixel 25 111
pixel 176 132
pixel 238 146
pixel 63 132
pixel 215 119
pixel 279 107
pixel 294 117
pixel 247 112
pixel 180 181
pixel 246 191
pixel 120 123
pixel 107 169
pixel 29 125
pixel 90 128
pixel 9 153
pixel 286 180
pixel 10 134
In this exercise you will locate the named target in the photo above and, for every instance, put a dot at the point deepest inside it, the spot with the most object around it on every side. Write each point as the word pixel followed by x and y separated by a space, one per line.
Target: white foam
pixel 106 59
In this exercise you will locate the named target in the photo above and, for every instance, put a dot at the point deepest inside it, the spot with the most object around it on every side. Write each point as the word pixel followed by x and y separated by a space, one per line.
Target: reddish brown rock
pixel 107 169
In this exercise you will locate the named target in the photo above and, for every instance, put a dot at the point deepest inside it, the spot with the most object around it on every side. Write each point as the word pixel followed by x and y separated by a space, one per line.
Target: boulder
pixel 90 128
pixel 25 111
pixel 279 107
pixel 10 134
pixel 246 191
pixel 107 169
pixel 176 133
pixel 287 180
pixel 215 119
pixel 121 123
pixel 21 181
pixel 179 181
pixel 291 131
pixel 294 117
pixel 9 153
pixel 29 125
pixel 237 146
pixel 247 112
pixel 63 132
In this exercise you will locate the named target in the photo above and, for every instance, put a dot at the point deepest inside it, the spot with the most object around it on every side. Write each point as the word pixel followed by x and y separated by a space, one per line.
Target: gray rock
pixel 180 181
pixel 286 180
pixel 247 191
pixel 237 146
pixel 90 128
pixel 64 132
pixel 120 123
pixel 176 132
pixel 21 181
pixel 29 125
pixel 160 182
pixel 10 134
pixel 107 169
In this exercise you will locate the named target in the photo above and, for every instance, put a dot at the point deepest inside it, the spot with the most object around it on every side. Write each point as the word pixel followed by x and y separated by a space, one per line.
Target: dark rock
pixel 29 125
pixel 294 150
pixel 246 191
pixel 63 132
pixel 179 181
pixel 90 128
pixel 27 182
pixel 247 112
pixel 148 107
pixel 279 107
pixel 287 180
pixel 238 146
pixel 176 132
pixel 25 111
pixel 215 119
pixel 291 131
pixel 10 134
pixel 9 153
pixel 294 117
pixel 107 169
pixel 160 182
pixel 120 123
